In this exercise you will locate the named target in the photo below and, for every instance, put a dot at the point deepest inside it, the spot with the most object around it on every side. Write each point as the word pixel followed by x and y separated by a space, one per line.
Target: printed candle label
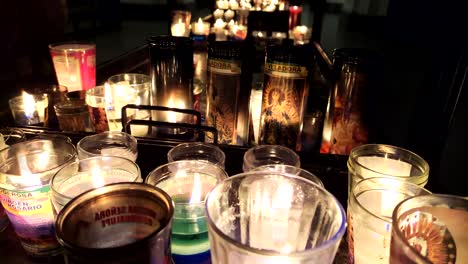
pixel 30 213
pixel 282 104
pixel 222 97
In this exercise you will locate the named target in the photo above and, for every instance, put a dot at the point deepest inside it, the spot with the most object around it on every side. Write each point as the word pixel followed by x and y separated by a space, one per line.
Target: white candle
pixel 178 29
pixel 233 4
pixel 201 28
pixel 218 13
pixel 174 103
pixel 228 15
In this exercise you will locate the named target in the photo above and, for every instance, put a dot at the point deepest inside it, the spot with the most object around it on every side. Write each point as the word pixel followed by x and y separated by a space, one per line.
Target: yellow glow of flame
pixel 29 104
pixel 196 189
pixel 173 103
pixel 29 177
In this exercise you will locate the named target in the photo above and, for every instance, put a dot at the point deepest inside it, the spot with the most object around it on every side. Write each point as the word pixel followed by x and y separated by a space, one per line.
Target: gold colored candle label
pixel 285 90
pixel 222 99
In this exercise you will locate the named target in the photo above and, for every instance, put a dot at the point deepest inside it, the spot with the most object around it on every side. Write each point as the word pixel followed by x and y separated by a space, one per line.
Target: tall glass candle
pixel 171 71
pixel 284 95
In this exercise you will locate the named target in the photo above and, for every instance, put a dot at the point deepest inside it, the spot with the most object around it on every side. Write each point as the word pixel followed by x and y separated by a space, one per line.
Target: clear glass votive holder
pixel 270 217
pixel 430 229
pixel 28 109
pixel 74 64
pixel 370 209
pixel 110 143
pixel 197 151
pixel 269 154
pixel 25 172
pixel 188 182
pixel 376 160
pixel 180 25
pixel 123 223
pixel 128 88
pixel 282 168
pixel 96 101
pixel 74 116
pixel 83 175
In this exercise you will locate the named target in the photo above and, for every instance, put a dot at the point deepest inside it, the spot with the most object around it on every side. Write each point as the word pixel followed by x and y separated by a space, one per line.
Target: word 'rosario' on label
pixel 127 219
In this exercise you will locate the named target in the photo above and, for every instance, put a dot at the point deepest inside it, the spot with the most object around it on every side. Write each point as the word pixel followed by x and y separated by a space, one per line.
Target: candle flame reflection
pixel 196 189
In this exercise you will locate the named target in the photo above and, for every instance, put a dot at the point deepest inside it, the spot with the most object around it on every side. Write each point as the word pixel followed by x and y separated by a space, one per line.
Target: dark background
pixel 421 104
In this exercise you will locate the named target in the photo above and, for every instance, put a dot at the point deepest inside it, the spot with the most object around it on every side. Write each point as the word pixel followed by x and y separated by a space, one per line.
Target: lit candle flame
pixel 28 177
pixel 29 104
pixel 173 103
pixel 196 190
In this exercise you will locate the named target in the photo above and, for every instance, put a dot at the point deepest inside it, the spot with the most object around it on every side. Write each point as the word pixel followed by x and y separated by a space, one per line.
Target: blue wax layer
pixel 201 258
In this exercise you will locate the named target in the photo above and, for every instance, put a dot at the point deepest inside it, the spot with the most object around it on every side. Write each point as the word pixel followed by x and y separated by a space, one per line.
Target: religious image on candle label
pixel 30 213
pixel 222 95
pixel 282 105
pixel 430 237
pixel 349 128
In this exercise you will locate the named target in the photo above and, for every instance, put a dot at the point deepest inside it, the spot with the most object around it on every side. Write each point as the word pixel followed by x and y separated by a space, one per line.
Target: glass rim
pixel 114 188
pixel 282 148
pixel 403 182
pixel 54 189
pixel 267 252
pixel 90 45
pixel 43 96
pixel 216 148
pixel 353 159
pixel 106 133
pixel 27 142
pixel 309 174
pixel 158 179
pixel 399 234
pixel 146 77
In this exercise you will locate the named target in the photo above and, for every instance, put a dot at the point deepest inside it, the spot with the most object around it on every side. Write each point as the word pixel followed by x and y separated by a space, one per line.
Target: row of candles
pixel 227 25
pixel 274 212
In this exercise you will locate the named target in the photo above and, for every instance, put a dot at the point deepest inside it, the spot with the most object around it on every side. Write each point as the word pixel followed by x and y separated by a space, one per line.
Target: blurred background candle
pixel 81 176
pixel 180 26
pixel 28 109
pixel 201 28
pixel 74 64
pixel 188 182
